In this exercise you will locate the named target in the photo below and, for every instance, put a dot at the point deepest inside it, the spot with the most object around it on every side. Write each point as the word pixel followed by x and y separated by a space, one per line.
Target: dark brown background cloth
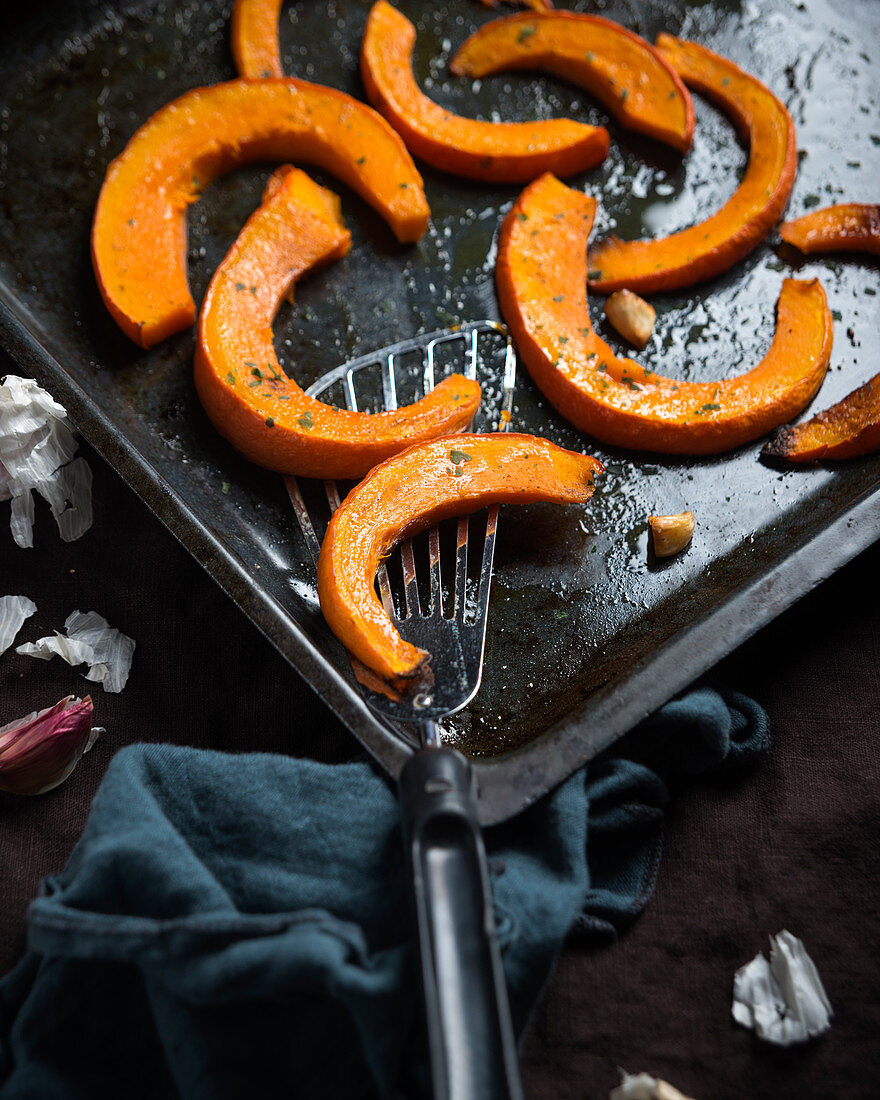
pixel 793 846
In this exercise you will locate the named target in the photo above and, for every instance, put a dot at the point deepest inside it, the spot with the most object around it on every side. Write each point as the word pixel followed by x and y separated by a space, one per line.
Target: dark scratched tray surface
pixel 585 636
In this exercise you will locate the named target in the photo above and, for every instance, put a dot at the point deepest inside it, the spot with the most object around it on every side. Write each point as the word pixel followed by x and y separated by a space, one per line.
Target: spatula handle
pixel 473 1050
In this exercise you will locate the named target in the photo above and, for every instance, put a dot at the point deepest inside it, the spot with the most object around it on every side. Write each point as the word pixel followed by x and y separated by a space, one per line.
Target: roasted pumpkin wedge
pixel 714 245
pixel 255 47
pixel 405 494
pixel 846 430
pixel 849 227
pixel 255 39
pixel 250 400
pixel 541 271
pixel 497 152
pixel 624 72
pixel 139 230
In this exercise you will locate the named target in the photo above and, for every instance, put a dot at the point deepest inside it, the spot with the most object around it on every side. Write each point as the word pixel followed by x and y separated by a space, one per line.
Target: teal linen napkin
pixel 241 926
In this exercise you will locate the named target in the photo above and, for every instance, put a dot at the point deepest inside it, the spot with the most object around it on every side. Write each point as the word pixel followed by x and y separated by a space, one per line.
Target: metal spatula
pixel 473 1052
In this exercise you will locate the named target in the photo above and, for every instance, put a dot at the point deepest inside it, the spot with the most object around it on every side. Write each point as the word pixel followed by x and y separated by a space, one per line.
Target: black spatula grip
pixel 473 1051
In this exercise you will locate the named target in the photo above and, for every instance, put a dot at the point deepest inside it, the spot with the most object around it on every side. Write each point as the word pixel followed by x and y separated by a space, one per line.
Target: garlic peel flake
pixel 90 640
pixel 782 1000
pixel 13 612
pixel 37 450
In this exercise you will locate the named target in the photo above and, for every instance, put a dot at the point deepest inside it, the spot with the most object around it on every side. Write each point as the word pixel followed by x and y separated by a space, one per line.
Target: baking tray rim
pixel 506 784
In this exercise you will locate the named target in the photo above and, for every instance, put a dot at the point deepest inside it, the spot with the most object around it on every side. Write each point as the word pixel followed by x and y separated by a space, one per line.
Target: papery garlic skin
pixel 782 1000
pixel 37 448
pixel 90 640
pixel 14 611
pixel 39 752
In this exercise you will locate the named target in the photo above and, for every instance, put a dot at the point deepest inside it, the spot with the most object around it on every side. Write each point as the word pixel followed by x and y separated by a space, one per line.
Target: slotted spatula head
pixel 436 589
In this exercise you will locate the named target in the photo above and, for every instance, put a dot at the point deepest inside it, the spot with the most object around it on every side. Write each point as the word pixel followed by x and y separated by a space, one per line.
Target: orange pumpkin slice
pixel 497 152
pixel 624 72
pixel 255 48
pixel 540 271
pixel 849 227
pixel 716 244
pixel 421 486
pixel 248 397
pixel 846 430
pixel 139 230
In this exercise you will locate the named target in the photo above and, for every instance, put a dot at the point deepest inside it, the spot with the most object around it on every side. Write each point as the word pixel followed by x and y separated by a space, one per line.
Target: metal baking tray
pixel 586 636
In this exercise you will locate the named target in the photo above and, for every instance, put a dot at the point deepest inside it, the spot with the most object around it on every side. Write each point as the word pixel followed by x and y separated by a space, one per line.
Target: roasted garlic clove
pixel 632 316
pixel 670 534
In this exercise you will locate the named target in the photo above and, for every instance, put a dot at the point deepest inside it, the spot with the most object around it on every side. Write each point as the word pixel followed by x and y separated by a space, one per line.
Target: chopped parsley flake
pixel 710 407
pixel 458 457
pixel 305 421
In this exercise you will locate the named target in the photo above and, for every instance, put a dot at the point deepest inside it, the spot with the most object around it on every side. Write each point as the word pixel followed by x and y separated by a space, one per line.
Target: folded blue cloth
pixel 241 926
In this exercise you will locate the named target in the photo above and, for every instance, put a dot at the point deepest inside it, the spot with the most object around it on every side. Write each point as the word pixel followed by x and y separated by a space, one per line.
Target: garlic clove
pixel 632 316
pixel 39 752
pixel 642 1086
pixel 671 534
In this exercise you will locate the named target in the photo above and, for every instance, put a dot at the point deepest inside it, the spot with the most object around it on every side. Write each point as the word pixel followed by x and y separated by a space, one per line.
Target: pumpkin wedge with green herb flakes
pixel 415 489
pixel 712 246
pixel 139 230
pixel 541 271
pixel 250 400
pixel 628 76
pixel 496 152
